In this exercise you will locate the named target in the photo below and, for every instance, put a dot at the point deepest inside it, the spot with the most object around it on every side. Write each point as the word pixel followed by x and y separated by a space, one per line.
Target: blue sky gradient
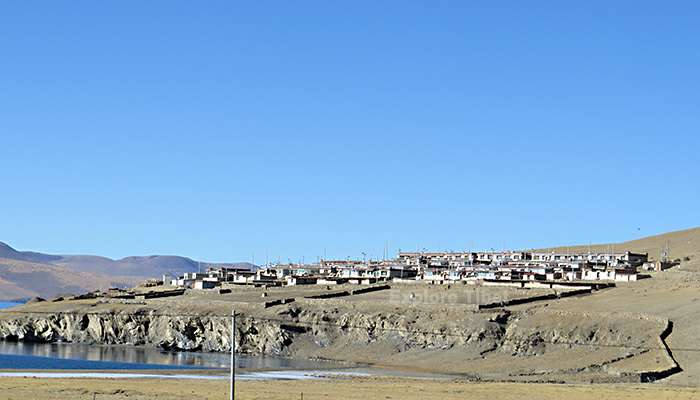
pixel 220 130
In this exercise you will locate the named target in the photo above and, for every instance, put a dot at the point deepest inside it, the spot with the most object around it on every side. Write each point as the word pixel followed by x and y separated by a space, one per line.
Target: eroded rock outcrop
pixel 523 344
pixel 274 336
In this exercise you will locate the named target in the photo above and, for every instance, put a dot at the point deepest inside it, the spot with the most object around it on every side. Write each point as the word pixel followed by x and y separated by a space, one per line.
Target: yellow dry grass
pixel 680 243
pixel 355 388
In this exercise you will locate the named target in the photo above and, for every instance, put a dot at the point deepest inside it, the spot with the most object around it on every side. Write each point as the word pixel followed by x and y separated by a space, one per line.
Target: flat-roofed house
pixel 294 280
pixel 434 276
pixel 626 275
pixel 206 283
pixel 395 271
pixel 339 263
pixel 413 259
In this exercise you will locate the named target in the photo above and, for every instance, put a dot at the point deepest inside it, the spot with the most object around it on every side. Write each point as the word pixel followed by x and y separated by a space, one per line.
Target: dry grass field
pixel 349 389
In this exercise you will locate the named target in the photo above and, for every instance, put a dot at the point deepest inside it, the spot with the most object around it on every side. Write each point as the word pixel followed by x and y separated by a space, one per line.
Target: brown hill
pixel 147 266
pixel 25 274
pixel 685 243
pixel 24 279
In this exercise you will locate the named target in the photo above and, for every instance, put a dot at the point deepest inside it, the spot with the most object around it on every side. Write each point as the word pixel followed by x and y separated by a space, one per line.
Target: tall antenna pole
pixel 233 352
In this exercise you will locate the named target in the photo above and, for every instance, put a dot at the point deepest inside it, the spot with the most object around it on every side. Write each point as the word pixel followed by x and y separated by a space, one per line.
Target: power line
pixel 336 324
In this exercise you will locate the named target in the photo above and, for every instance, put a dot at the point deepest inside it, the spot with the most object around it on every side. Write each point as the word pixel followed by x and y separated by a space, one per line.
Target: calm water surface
pixel 77 357
pixel 18 355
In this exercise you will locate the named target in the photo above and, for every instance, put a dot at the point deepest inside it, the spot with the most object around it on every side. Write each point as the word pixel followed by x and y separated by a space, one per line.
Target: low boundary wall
pixel 525 300
pixel 155 295
pixel 273 303
pixel 345 293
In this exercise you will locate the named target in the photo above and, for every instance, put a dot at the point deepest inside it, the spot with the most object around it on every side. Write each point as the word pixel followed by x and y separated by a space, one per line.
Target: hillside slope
pixel 25 274
pixel 9 253
pixel 24 279
pixel 137 266
pixel 685 243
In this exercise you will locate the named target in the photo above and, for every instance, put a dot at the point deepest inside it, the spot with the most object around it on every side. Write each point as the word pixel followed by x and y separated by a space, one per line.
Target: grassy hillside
pixel 685 243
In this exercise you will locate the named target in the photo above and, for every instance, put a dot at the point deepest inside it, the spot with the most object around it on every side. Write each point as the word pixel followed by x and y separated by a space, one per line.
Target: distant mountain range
pixel 25 274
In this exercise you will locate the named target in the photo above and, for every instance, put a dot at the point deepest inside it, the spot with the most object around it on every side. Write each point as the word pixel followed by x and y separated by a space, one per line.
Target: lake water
pixel 89 361
pixel 18 355
pixel 85 359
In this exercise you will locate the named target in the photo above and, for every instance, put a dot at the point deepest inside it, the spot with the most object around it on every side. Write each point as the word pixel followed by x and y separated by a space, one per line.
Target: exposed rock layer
pixel 497 344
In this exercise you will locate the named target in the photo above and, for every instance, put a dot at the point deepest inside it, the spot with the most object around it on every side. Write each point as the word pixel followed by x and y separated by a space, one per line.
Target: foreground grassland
pixel 355 388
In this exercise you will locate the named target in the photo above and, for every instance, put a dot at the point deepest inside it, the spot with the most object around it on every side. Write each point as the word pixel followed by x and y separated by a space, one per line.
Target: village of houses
pixel 492 268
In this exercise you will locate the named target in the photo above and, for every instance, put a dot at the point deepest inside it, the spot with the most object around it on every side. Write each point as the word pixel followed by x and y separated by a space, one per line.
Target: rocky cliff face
pixel 523 344
pixel 282 335
pixel 174 333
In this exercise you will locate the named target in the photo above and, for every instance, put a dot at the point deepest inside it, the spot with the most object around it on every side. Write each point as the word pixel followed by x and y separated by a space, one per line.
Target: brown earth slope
pixel 25 274
pixel 685 243
pixel 23 279
pixel 673 294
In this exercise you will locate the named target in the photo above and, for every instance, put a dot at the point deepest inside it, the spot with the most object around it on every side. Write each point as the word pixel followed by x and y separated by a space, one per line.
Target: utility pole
pixel 233 352
pixel 665 251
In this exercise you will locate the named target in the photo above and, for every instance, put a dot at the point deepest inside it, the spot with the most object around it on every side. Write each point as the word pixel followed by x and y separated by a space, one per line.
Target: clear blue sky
pixel 221 129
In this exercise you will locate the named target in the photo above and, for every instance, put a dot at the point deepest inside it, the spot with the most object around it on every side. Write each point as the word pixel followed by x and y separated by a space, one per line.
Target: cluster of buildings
pixel 323 273
pixel 521 265
pixel 436 268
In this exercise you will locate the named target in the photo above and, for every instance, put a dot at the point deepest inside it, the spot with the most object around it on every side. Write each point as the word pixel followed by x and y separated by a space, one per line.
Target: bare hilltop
pixel 680 244
pixel 27 274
